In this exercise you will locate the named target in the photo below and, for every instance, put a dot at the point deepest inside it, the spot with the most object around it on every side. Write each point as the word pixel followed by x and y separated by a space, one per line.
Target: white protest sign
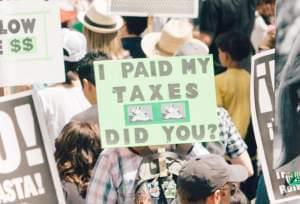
pixel 283 184
pixel 28 172
pixel 30 43
pixel 167 8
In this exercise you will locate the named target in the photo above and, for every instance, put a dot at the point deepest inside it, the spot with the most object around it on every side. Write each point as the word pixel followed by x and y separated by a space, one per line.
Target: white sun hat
pixel 98 20
pixel 173 36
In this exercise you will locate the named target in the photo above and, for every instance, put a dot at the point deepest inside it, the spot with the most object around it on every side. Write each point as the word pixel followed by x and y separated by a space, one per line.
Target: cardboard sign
pixel 156 101
pixel 28 172
pixel 281 183
pixel 30 43
pixel 167 8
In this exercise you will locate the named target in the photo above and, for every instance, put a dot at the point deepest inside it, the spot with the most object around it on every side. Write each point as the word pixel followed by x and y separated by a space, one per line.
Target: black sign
pixel 281 182
pixel 27 169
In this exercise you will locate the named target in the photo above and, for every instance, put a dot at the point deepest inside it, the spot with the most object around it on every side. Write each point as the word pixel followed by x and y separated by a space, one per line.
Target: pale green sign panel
pixel 156 101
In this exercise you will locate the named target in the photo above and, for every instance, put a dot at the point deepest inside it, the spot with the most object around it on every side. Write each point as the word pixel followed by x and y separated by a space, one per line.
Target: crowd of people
pixel 220 172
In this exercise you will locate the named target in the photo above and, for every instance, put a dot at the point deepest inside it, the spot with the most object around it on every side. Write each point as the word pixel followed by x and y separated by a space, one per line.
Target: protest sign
pixel 156 101
pixel 281 183
pixel 167 8
pixel 28 172
pixel 30 43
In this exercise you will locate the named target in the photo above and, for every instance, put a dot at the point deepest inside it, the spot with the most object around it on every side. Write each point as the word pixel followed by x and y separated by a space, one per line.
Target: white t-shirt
pixel 59 104
pixel 259 31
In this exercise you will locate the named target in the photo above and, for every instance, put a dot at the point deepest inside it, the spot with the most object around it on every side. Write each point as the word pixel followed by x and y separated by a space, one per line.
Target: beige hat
pixel 98 20
pixel 192 48
pixel 174 35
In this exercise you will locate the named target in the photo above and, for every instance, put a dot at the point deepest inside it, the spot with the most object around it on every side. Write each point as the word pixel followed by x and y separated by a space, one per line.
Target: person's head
pixel 239 198
pixel 135 25
pixel 77 149
pixel 74 49
pixel 201 180
pixel 227 191
pixel 101 30
pixel 174 34
pixel 67 13
pixel 87 76
pixel 233 47
pixel 266 8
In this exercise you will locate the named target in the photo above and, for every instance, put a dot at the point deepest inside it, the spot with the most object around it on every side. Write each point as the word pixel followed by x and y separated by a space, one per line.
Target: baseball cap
pixel 202 176
pixel 74 44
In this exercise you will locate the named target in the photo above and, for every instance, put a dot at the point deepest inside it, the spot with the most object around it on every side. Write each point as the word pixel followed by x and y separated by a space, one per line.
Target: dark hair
pixel 135 25
pixel 70 69
pixel 86 66
pixel 77 150
pixel 235 43
pixel 186 198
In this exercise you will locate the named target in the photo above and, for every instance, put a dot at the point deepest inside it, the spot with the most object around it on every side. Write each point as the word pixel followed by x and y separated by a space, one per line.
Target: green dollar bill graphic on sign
pixel 25 45
pixel 15 45
pixel 294 179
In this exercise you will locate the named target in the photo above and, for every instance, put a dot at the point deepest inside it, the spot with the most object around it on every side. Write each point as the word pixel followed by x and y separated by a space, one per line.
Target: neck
pixel 233 65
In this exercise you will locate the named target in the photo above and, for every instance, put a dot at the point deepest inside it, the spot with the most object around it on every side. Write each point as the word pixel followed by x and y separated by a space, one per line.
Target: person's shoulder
pixel 88 115
pixel 221 76
pixel 117 153
pixel 222 112
pixel 52 92
pixel 72 194
pixel 245 72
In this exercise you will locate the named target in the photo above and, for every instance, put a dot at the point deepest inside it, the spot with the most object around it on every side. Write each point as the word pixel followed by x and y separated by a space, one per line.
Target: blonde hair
pixel 108 43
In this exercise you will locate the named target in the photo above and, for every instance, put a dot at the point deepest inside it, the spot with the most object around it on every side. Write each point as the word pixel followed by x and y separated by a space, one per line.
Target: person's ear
pixel 85 84
pixel 88 85
pixel 215 197
pixel 227 57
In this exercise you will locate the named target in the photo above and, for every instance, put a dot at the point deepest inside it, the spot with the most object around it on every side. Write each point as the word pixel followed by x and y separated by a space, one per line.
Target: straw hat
pixel 174 35
pixel 98 20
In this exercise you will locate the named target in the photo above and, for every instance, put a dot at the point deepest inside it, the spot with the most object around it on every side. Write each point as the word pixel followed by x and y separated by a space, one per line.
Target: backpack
pixel 156 178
